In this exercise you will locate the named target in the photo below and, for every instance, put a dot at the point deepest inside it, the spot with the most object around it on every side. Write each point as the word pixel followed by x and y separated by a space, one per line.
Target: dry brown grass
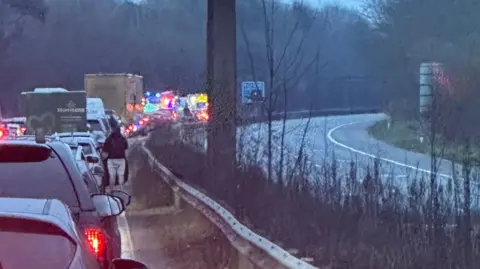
pixel 365 225
pixel 164 238
pixel 148 191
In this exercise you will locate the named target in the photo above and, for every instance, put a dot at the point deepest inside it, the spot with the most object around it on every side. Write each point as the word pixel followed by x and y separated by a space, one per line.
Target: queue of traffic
pixel 55 209
pixel 64 169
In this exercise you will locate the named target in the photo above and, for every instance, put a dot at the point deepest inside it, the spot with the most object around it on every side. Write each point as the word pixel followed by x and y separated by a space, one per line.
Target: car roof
pixel 74 134
pixel 64 152
pixel 52 211
pixel 21 140
pixel 77 139
pixel 71 142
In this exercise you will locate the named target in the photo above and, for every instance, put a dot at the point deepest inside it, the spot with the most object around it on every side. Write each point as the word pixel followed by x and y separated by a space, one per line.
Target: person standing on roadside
pixel 114 151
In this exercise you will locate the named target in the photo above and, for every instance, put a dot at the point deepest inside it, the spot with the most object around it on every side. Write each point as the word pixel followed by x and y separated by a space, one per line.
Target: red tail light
pixel 203 116
pixel 96 240
pixel 141 122
pixel 2 133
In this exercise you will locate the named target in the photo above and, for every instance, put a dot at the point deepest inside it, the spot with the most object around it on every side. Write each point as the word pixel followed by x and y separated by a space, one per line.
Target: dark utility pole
pixel 221 89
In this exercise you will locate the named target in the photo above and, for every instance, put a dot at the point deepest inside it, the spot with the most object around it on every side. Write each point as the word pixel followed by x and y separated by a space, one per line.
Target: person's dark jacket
pixel 115 146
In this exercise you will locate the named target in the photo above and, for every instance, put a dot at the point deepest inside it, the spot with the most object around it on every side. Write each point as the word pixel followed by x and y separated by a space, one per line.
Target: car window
pixel 88 178
pixel 26 173
pixel 86 148
pixel 33 244
pixel 95 125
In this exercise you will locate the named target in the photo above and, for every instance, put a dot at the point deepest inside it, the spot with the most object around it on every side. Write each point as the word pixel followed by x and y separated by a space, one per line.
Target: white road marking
pixel 128 252
pixel 334 141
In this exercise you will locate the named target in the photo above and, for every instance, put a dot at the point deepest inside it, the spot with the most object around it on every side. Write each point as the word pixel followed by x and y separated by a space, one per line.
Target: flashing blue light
pixel 147 93
pixel 157 95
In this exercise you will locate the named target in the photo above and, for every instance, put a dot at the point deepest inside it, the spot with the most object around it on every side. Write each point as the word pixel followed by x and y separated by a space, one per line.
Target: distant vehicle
pixel 47 228
pixel 55 111
pixel 15 126
pixel 141 124
pixel 97 118
pixel 4 132
pixel 202 116
pixel 168 100
pixel 49 170
pixel 90 166
pixel 113 119
pixel 197 101
pixel 81 136
pixel 49 90
pixel 121 92
pixel 163 116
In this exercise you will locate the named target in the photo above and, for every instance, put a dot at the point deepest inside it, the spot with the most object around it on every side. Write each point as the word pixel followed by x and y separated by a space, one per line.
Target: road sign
pixel 252 91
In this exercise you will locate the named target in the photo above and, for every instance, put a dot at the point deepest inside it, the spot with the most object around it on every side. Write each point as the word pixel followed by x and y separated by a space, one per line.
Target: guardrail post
pixel 177 199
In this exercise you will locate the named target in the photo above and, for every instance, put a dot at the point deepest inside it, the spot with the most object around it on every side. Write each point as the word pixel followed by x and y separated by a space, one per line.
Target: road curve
pixel 352 137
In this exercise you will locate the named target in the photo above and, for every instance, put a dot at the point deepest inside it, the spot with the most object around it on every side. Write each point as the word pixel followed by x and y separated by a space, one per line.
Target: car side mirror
pixel 123 196
pixel 107 205
pixel 92 159
pixel 127 264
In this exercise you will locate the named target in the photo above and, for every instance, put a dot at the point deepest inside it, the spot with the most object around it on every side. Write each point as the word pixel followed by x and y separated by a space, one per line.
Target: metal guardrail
pixel 301 114
pixel 274 251
pixel 199 199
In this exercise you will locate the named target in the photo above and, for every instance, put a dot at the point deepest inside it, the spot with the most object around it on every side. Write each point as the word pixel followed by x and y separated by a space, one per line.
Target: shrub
pixel 339 219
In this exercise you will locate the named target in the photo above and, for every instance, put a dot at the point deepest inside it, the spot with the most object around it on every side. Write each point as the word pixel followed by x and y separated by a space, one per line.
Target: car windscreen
pixel 34 172
pixel 86 148
pixel 95 125
pixel 33 244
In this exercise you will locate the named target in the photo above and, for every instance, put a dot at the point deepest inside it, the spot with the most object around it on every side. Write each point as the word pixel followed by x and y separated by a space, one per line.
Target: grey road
pixel 345 138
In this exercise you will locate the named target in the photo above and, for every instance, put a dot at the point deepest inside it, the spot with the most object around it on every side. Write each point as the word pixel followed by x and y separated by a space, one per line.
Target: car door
pixel 88 177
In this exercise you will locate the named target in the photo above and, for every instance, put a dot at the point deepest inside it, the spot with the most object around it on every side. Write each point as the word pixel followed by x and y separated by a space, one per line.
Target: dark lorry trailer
pixel 56 112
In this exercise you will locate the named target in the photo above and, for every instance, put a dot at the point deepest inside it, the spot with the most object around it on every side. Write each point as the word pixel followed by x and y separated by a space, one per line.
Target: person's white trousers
pixel 116 167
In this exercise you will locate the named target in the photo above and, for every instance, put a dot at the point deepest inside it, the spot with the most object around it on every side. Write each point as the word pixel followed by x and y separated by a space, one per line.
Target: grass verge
pixel 163 238
pixel 406 135
pixel 340 221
